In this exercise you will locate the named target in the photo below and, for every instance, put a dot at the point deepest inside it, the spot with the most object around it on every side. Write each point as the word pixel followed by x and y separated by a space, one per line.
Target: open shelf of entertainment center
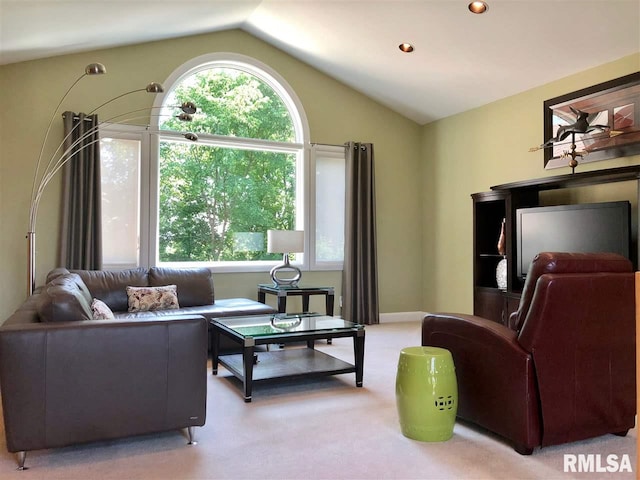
pixel 490 208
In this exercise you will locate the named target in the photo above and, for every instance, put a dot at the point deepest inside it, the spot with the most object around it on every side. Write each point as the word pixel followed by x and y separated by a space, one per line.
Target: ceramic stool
pixel 426 393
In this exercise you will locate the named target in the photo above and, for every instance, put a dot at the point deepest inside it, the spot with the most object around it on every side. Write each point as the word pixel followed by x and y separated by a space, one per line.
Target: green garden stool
pixel 426 393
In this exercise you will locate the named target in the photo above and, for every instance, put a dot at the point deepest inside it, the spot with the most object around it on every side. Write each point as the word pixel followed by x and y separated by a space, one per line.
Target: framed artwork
pixel 612 112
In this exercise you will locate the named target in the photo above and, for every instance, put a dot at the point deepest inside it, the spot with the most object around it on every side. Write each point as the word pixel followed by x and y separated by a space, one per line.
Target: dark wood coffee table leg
pixel 215 348
pixel 305 302
pixel 247 364
pixel 358 350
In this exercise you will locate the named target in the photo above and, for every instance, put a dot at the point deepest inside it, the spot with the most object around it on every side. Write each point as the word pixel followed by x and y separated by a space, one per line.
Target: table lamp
pixel 285 242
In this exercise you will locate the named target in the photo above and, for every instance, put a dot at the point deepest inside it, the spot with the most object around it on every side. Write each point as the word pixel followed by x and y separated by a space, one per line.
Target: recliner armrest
pixel 513 320
pixel 484 331
pixel 488 359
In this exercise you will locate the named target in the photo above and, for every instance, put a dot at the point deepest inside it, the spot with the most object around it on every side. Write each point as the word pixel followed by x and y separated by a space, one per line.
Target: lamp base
pixel 284 267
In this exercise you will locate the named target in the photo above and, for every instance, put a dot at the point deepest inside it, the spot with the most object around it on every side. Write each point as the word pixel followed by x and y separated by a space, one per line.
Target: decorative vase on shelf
pixel 501 269
pixel 501 274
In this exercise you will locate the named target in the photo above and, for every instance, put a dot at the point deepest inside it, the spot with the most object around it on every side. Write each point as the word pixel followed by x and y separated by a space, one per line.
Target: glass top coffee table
pixel 253 330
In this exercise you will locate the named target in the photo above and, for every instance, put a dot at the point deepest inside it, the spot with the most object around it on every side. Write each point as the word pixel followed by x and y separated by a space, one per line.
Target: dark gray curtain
pixel 81 231
pixel 360 273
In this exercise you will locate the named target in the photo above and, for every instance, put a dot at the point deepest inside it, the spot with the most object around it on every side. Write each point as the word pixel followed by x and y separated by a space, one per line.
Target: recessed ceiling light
pixel 406 47
pixel 478 7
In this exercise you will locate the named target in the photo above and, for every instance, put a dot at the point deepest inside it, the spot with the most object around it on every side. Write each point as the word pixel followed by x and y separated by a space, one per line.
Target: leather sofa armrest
pixel 73 382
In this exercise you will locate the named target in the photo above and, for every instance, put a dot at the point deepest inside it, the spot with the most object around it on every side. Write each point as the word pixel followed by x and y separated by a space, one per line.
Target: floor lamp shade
pixel 285 242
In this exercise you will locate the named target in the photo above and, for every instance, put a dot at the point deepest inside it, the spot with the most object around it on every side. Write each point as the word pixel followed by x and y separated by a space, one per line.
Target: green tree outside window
pixel 213 195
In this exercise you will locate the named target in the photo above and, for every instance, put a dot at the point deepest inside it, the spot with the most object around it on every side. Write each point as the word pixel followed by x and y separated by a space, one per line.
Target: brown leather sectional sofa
pixel 66 378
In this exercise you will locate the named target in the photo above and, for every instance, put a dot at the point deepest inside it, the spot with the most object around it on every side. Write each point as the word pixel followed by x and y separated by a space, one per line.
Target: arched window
pixel 219 195
pixel 211 201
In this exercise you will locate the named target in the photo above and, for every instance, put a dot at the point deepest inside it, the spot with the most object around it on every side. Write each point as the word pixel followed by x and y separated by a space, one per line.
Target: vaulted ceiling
pixel 461 60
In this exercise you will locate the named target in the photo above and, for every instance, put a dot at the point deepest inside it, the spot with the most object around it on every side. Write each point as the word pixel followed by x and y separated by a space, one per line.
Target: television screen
pixel 587 227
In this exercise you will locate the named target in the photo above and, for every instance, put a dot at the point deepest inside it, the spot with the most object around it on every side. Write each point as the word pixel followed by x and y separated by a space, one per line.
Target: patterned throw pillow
pixel 143 299
pixel 101 310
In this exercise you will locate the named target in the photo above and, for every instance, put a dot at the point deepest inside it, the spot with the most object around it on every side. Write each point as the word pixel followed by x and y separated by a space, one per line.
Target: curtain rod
pixel 344 145
pixel 327 144
pixel 77 117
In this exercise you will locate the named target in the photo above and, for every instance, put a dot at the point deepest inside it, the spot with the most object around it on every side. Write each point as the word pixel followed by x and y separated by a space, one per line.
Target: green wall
pixel 336 113
pixel 486 146
pixel 424 174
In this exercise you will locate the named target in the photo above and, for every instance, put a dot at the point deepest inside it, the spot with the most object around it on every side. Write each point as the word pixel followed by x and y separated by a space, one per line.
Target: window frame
pixel 316 151
pixel 301 132
pixel 150 138
pixel 140 133
pixel 217 140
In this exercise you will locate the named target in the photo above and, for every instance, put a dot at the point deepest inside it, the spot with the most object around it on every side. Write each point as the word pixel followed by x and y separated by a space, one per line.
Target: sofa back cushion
pixel 65 298
pixel 111 286
pixel 194 285
pixel 55 273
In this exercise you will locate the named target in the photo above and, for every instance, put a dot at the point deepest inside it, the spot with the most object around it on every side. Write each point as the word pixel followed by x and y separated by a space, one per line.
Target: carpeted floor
pixel 315 429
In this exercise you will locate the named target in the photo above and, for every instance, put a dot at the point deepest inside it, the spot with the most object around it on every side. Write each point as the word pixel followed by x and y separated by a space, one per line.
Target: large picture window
pixel 242 177
pixel 210 202
pixel 212 196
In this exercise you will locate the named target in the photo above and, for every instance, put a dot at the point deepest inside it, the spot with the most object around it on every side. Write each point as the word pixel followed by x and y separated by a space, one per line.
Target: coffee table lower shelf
pixel 254 330
pixel 289 363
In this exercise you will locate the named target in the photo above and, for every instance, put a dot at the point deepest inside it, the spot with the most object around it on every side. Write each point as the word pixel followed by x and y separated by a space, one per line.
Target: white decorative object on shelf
pixel 501 274
pixel 501 269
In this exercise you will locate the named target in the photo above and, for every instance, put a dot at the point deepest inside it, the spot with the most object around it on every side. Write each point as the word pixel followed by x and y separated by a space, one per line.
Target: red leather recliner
pixel 564 369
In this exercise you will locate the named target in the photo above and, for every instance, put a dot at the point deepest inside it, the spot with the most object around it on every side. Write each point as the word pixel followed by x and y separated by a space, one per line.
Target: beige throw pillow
pixel 143 299
pixel 101 310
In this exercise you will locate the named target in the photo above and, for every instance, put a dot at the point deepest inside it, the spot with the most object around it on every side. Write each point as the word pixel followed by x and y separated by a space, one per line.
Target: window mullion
pixel 235 142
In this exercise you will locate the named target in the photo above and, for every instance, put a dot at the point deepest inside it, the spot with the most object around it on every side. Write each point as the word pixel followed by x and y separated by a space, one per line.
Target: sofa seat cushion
pixel 222 308
pixel 236 307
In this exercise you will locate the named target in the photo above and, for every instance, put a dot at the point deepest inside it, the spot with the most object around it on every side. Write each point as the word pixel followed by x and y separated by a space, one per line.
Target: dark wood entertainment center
pixel 489 208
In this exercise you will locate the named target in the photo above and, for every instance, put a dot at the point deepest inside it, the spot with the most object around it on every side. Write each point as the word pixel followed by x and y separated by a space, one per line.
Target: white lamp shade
pixel 285 241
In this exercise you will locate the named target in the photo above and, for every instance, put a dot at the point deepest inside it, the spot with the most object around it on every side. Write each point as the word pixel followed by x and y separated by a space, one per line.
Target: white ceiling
pixel 461 60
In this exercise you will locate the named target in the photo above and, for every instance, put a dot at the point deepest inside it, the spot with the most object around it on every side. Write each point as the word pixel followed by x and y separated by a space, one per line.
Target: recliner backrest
pixel 580 332
pixel 561 262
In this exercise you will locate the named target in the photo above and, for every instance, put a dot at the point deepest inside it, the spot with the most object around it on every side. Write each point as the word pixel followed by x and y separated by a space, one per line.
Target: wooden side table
pixel 284 291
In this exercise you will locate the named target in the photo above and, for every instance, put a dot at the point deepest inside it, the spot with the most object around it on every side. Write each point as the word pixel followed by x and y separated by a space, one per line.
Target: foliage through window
pixel 169 200
pixel 220 195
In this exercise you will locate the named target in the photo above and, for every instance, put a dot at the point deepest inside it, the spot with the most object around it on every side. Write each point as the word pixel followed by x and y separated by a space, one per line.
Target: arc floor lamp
pixel 44 173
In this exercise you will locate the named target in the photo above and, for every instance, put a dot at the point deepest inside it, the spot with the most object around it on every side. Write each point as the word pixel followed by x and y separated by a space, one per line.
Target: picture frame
pixel 615 104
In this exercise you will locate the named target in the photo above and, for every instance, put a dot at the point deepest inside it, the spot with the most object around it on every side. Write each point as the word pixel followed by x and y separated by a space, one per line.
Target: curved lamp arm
pixel 55 163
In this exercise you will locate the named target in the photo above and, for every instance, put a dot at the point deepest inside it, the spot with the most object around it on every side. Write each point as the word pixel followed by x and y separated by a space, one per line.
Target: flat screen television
pixel 586 227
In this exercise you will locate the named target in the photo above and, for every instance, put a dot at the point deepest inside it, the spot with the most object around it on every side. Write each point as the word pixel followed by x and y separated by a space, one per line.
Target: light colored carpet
pixel 315 429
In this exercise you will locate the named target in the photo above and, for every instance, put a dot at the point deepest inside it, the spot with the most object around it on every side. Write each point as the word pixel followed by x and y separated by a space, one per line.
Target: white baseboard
pixel 401 317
